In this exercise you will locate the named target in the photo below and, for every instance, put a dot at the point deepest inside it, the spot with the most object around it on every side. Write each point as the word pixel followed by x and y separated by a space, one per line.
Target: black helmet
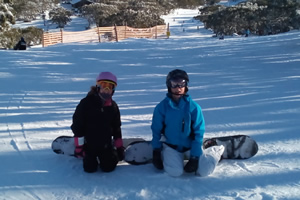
pixel 177 74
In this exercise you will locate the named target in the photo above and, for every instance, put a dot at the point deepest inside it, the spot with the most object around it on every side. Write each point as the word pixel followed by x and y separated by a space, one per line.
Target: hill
pixel 244 86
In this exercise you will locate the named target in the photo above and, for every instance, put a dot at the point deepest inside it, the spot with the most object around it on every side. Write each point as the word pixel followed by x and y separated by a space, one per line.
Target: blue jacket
pixel 182 123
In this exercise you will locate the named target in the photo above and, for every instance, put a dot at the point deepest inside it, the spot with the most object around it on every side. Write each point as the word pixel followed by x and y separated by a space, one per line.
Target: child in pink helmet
pixel 97 127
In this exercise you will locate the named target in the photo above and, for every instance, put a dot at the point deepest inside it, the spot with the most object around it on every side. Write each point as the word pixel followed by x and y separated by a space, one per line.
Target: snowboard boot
pixel 209 160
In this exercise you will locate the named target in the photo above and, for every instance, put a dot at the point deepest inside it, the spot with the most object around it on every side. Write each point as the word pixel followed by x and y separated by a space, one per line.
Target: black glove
pixel 156 160
pixel 191 165
pixel 120 152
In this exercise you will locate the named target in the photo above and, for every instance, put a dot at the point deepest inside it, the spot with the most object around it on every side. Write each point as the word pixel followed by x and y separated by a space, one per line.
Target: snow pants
pixel 173 160
pixel 106 158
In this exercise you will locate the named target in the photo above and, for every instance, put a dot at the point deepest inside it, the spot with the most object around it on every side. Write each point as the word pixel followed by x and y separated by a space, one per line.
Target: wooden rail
pixel 104 34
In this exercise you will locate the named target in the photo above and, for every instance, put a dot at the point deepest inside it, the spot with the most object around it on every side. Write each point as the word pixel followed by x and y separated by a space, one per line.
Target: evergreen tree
pixel 60 16
pixel 98 13
pixel 6 16
pixel 29 9
pixel 259 16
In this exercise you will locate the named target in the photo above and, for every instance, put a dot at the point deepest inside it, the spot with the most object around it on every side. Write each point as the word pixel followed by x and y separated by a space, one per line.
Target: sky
pixel 244 85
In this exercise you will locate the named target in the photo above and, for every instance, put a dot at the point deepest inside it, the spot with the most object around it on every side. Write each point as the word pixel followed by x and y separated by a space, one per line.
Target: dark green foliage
pixel 60 16
pixel 27 10
pixel 32 35
pixel 191 3
pixel 99 13
pixel 139 14
pixel 6 16
pixel 259 16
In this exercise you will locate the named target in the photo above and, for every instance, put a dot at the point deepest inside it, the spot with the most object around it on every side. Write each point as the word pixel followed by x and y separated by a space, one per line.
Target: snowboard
pixel 65 144
pixel 236 147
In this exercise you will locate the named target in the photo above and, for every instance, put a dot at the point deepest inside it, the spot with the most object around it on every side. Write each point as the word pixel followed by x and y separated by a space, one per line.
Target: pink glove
pixel 120 149
pixel 79 143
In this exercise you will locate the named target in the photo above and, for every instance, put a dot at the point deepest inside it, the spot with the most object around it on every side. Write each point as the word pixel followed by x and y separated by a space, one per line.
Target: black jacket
pixel 21 45
pixel 96 122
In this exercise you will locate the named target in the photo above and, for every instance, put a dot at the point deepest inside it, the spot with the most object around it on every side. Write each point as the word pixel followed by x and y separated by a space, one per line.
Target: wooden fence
pixel 105 34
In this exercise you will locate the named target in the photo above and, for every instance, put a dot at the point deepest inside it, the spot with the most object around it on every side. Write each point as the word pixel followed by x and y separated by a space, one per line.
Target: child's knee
pixel 174 171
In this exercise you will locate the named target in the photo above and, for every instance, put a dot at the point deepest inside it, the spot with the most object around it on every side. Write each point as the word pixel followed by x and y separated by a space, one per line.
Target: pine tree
pixel 259 16
pixel 6 16
pixel 98 13
pixel 60 16
pixel 28 10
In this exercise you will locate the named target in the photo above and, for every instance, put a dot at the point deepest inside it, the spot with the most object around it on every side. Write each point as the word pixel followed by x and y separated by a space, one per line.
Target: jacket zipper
pixel 182 128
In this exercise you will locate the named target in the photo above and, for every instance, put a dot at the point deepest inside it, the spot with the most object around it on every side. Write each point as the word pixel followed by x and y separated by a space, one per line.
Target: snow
pixel 244 86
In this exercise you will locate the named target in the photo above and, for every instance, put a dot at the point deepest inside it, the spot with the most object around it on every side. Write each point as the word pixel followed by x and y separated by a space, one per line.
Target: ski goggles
pixel 106 85
pixel 179 83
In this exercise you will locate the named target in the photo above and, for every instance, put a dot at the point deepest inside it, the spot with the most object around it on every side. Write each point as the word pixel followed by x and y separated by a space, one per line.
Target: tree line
pixel 260 17
pixel 134 13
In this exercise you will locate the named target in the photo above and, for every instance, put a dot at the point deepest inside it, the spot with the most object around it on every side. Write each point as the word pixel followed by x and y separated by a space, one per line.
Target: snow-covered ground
pixel 244 85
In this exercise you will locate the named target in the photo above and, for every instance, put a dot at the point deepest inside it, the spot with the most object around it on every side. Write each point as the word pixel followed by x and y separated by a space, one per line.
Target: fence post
pixel 156 31
pixel 43 39
pixel 61 33
pixel 99 36
pixel 125 30
pixel 116 32
pixel 168 31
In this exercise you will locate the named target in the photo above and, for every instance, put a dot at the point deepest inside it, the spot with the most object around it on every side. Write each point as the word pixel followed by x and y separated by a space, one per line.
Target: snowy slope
pixel 244 85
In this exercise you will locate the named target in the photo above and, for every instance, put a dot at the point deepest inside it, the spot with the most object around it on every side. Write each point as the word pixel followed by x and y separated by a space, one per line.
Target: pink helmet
pixel 107 76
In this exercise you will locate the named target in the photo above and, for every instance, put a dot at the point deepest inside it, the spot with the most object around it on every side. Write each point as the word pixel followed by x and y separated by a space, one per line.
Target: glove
pixel 191 165
pixel 121 154
pixel 156 160
pixel 118 143
pixel 79 144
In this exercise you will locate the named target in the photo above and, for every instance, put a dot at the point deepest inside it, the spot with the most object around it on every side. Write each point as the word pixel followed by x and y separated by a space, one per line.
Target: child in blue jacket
pixel 178 127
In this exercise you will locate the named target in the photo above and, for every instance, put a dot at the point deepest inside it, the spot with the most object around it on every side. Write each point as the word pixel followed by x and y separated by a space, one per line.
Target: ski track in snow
pixel 244 86
pixel 16 132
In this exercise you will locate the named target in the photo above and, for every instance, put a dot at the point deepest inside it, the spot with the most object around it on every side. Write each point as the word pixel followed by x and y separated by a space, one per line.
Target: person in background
pixel 97 127
pixel 221 36
pixel 21 45
pixel 247 33
pixel 177 128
